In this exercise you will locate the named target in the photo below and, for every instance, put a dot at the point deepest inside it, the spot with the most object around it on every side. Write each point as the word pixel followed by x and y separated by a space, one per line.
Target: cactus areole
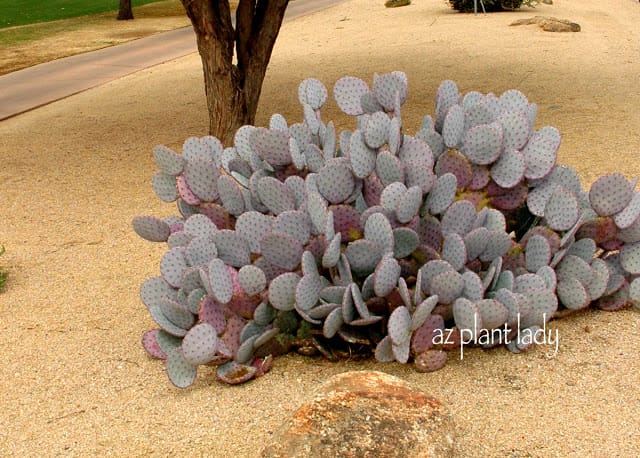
pixel 374 242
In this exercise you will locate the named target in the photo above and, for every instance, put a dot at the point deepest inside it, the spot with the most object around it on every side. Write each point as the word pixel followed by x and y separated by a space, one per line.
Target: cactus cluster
pixel 373 241
pixel 489 5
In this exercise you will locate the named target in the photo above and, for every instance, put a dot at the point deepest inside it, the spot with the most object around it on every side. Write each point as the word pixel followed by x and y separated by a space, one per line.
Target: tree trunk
pixel 125 12
pixel 233 91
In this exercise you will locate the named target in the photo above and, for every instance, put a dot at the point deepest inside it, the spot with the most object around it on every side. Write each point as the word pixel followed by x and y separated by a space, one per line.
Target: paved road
pixel 33 87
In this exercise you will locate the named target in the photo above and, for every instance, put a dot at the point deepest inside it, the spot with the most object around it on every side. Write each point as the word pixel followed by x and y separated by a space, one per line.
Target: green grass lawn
pixel 22 12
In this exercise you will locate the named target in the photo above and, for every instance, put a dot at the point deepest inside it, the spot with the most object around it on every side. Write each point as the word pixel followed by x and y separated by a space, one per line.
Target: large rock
pixel 366 415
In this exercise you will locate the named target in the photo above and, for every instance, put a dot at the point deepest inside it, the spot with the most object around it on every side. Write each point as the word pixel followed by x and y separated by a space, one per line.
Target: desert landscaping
pixel 74 378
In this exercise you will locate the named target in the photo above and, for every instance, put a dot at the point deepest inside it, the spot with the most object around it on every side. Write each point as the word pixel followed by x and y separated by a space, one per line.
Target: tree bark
pixel 233 90
pixel 125 12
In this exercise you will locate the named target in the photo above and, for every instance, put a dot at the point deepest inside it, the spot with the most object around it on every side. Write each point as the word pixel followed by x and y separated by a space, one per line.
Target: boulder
pixel 397 3
pixel 550 24
pixel 366 414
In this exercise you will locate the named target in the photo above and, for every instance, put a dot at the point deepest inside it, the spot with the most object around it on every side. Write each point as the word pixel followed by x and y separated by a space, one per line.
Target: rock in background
pixel 550 24
pixel 397 3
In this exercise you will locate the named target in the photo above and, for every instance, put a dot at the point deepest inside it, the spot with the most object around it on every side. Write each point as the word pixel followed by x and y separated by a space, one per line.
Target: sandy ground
pixel 74 380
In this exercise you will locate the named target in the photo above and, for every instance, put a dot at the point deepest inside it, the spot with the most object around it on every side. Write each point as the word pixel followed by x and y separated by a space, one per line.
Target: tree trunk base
pixel 125 12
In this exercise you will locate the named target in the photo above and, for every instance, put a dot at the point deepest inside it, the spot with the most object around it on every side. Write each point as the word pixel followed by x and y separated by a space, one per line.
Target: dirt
pixel 74 378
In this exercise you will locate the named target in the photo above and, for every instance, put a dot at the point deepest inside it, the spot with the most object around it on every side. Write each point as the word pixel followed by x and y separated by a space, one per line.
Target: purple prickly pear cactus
pixel 377 241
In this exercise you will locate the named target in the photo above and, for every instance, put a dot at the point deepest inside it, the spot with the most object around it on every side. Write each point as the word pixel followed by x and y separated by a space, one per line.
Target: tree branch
pixel 232 90
pixel 258 23
pixel 244 29
pixel 211 20
pixel 269 16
